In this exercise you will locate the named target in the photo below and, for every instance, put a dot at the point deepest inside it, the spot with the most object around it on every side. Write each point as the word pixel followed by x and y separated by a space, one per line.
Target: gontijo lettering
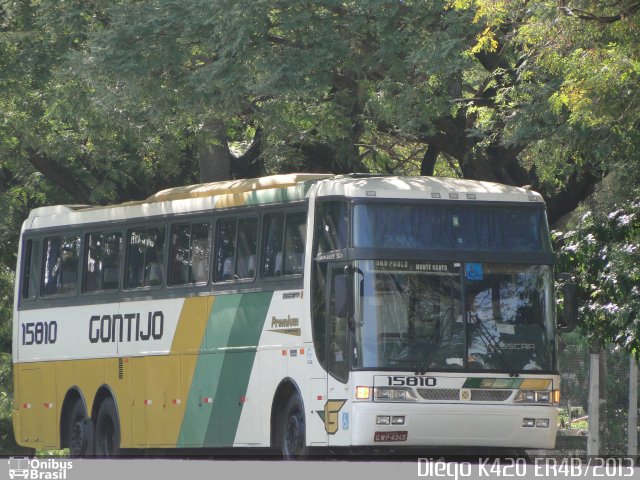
pixel 128 327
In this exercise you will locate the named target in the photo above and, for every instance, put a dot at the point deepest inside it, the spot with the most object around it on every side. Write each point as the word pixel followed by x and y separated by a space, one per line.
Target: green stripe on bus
pixel 222 374
pixel 207 371
pixel 237 366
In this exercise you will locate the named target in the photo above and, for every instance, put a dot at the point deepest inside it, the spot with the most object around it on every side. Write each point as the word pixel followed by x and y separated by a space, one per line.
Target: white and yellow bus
pixel 292 312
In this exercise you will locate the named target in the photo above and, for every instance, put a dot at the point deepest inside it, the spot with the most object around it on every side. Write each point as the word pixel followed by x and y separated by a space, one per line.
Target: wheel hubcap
pixel 293 438
pixel 78 437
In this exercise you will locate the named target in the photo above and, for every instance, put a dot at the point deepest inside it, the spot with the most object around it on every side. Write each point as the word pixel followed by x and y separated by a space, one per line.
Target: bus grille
pixel 439 393
pixel 454 394
pixel 490 395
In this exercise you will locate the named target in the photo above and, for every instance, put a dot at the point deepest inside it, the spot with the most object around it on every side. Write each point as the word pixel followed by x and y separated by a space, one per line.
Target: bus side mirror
pixel 568 320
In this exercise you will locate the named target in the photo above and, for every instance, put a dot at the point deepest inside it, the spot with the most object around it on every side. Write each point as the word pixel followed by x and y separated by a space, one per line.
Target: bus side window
pixel 190 253
pixel 331 226
pixel 273 236
pixel 29 269
pixel 102 261
pixel 284 242
pixel 200 252
pixel 338 326
pixel 179 255
pixel 145 257
pixel 135 259
pixel 247 244
pixel 61 259
pixel 225 249
pixel 294 242
pixel 154 257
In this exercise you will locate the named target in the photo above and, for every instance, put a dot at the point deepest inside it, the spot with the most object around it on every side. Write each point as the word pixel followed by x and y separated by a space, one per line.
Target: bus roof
pixel 281 188
pixel 442 188
pixel 235 186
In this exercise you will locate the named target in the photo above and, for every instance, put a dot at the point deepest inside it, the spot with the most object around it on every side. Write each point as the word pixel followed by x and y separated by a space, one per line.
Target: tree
pixel 581 59
pixel 147 93
pixel 54 128
pixel 603 253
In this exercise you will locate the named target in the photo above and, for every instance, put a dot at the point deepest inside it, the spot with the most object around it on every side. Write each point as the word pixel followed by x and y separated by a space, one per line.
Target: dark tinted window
pixel 284 242
pixel 29 269
pixel 190 253
pixel 294 241
pixel 247 245
pixel 236 246
pixel 273 242
pixel 225 249
pixel 60 269
pixel 331 226
pixel 102 261
pixel 145 257
pixel 464 227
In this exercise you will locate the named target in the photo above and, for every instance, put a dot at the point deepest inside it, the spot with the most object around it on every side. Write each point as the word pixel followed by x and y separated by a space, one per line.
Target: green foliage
pixel 53 122
pixel 603 253
pixel 6 308
pixel 305 73
pixel 575 104
pixel 7 442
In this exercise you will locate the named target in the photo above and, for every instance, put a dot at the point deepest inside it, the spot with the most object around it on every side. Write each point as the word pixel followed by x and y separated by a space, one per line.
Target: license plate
pixel 390 437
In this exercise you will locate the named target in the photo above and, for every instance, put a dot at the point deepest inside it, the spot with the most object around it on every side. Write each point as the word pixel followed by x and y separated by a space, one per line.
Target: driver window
pixel 338 326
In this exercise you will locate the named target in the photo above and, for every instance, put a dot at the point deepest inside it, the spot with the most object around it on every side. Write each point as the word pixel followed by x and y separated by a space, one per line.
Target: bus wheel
pixel 107 437
pixel 80 430
pixel 292 430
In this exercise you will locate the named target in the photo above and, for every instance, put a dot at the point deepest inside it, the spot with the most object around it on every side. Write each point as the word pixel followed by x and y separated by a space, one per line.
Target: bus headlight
pixel 393 394
pixel 543 397
pixel 529 396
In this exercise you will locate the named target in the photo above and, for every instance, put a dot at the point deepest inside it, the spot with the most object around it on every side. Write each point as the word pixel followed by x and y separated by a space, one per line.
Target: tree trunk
pixel 250 164
pixel 214 156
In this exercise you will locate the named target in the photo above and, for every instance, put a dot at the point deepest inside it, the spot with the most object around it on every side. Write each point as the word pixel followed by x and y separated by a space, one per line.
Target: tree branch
pixel 603 19
pixel 59 176
pixel 428 165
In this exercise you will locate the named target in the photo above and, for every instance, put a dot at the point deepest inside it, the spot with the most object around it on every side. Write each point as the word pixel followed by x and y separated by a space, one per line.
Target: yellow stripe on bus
pixel 192 325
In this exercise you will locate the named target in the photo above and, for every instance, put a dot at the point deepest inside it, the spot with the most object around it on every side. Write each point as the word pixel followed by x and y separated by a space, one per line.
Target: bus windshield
pixel 423 316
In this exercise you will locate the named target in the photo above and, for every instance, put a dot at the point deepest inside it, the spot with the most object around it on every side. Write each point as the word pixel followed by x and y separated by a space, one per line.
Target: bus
pixel 290 312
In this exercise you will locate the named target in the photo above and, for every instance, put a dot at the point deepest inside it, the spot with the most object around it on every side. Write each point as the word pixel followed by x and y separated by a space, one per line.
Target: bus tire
pixel 80 431
pixel 293 430
pixel 107 430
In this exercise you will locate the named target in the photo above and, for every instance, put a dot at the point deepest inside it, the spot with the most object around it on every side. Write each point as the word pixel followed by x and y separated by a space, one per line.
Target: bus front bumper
pixel 509 426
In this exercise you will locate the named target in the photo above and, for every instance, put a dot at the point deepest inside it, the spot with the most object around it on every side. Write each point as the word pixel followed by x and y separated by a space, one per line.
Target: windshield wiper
pixel 489 341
